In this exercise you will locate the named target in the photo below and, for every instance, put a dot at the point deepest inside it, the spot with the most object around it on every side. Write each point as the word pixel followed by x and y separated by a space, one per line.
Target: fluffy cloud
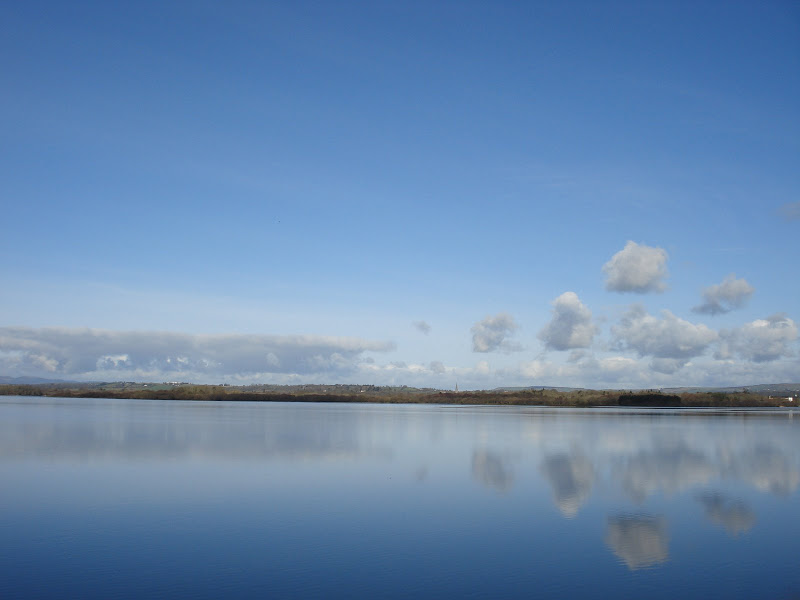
pixel 762 340
pixel 571 326
pixel 86 352
pixel 724 297
pixel 422 326
pixel 667 366
pixel 437 366
pixel 666 338
pixel 636 268
pixel 790 211
pixel 586 371
pixel 490 334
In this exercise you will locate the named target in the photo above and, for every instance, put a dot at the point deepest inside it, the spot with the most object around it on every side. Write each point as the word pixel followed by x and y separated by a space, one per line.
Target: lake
pixel 170 499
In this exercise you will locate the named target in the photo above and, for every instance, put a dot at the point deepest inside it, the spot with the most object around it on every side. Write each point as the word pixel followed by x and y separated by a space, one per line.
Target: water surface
pixel 125 499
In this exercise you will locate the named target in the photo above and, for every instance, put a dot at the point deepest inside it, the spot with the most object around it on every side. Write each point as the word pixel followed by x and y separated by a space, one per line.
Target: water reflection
pixel 670 466
pixel 674 465
pixel 571 477
pixel 311 479
pixel 638 540
pixel 144 430
pixel 733 515
pixel 766 467
pixel 650 458
pixel 492 470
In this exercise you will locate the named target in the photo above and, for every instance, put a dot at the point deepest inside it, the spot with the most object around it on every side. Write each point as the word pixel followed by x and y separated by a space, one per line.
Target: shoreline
pixel 544 397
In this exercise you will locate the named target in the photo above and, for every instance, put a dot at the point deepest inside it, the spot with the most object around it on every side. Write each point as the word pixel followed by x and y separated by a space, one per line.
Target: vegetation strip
pixel 395 395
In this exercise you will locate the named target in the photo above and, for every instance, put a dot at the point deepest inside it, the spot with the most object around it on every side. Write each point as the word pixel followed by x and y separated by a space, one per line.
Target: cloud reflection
pixel 734 515
pixel 490 469
pixel 669 467
pixel 571 477
pixel 640 541
pixel 765 467
pixel 140 430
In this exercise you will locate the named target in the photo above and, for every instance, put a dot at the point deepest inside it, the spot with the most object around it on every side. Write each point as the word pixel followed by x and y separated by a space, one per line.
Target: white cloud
pixel 433 374
pixel 571 326
pixel 670 341
pixel 668 366
pixel 490 334
pixel 707 371
pixel 587 371
pixel 724 297
pixel 637 268
pixel 666 338
pixel 422 327
pixel 87 352
pixel 578 355
pixel 437 366
pixel 762 340
pixel 482 368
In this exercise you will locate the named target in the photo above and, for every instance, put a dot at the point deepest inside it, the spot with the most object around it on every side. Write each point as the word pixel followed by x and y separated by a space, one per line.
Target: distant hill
pixel 764 389
pixel 537 387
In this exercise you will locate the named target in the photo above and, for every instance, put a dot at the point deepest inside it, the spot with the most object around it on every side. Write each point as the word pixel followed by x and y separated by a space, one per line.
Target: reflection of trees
pixel 490 469
pixel 639 540
pixel 734 515
pixel 571 476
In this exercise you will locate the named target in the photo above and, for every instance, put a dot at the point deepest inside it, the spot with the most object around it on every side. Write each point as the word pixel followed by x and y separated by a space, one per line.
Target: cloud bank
pixel 762 340
pixel 489 335
pixel 670 340
pixel 637 268
pixel 571 326
pixel 89 352
pixel 726 296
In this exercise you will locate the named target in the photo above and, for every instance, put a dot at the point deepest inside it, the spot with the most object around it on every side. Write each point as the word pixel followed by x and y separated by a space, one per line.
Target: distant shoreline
pixel 389 395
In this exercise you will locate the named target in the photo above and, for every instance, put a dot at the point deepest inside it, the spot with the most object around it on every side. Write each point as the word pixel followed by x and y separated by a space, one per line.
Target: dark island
pixel 759 396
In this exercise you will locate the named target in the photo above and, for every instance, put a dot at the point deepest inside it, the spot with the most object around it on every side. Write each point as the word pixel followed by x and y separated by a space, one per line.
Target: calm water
pixel 130 499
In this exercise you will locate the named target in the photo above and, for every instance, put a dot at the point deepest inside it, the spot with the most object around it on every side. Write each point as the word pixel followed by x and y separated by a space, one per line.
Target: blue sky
pixel 398 193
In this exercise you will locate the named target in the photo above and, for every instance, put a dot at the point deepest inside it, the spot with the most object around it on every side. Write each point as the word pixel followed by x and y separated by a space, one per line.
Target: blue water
pixel 131 499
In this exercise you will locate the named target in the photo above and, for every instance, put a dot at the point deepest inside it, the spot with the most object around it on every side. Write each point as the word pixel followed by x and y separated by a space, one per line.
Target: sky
pixel 426 193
